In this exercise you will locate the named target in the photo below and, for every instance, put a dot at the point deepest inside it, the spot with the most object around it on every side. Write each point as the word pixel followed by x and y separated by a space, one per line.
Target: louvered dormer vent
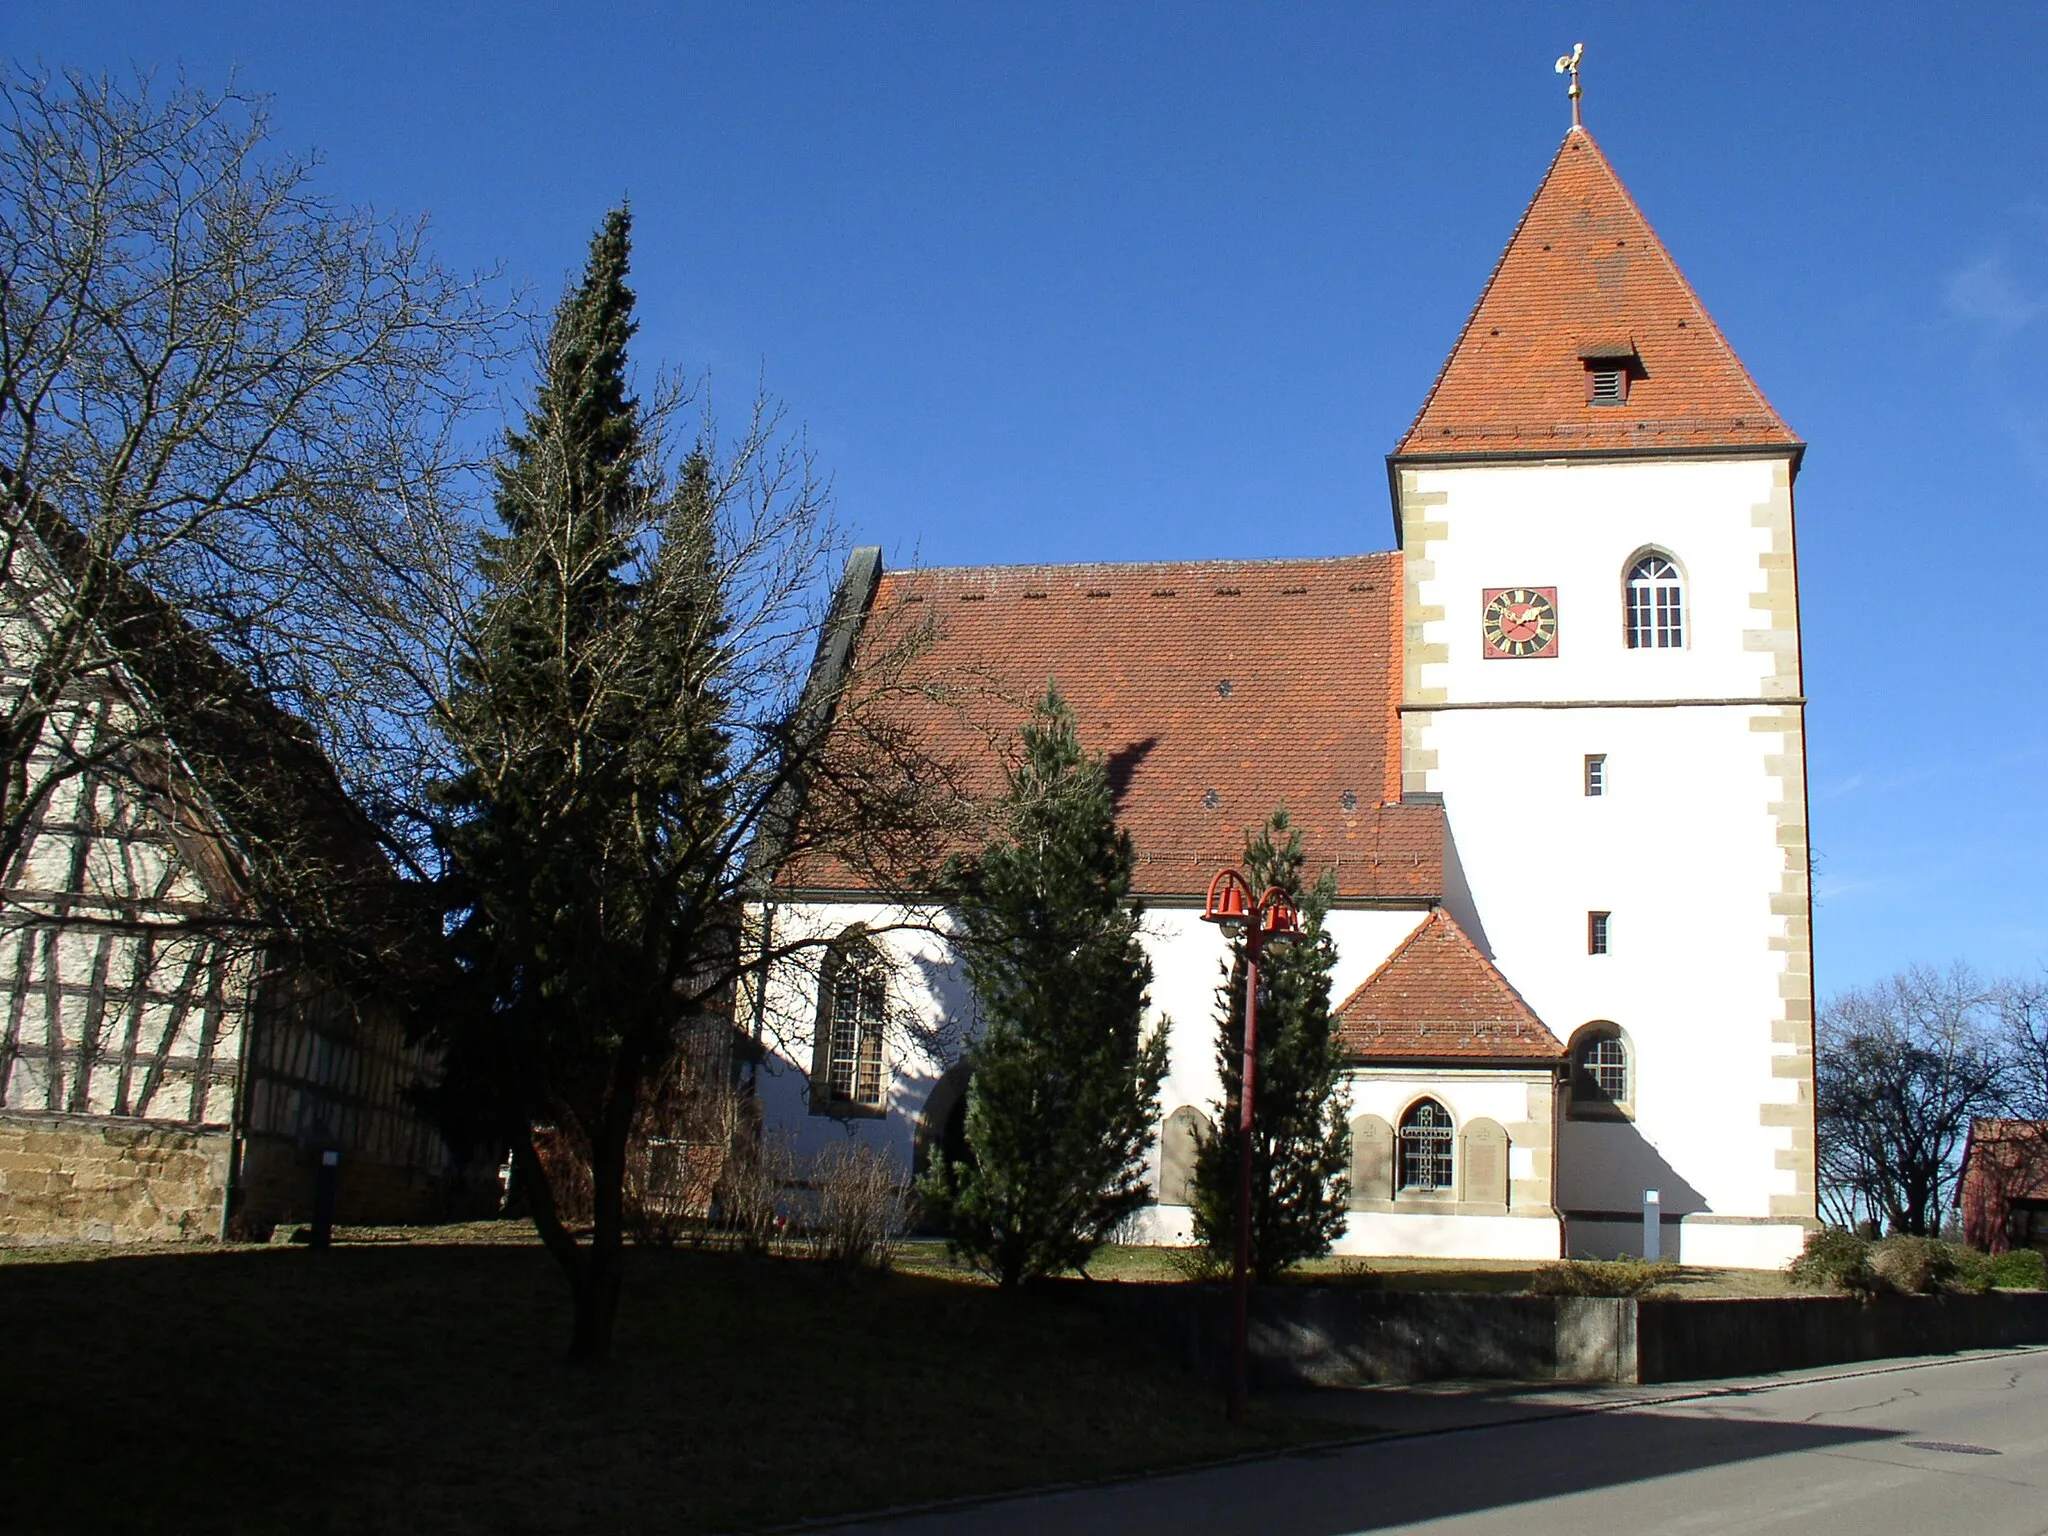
pixel 1608 374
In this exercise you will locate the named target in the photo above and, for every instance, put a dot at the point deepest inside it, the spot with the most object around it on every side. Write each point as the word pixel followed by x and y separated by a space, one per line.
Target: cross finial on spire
pixel 1569 65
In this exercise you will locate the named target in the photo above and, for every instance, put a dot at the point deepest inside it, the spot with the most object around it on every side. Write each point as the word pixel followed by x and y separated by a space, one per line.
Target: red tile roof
pixel 1437 996
pixel 1585 276
pixel 1217 690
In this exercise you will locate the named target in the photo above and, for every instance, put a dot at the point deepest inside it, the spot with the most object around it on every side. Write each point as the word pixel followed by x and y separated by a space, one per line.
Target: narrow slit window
pixel 1596 932
pixel 1596 773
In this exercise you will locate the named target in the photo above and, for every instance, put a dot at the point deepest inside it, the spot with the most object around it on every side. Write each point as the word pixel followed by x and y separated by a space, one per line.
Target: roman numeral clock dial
pixel 1519 623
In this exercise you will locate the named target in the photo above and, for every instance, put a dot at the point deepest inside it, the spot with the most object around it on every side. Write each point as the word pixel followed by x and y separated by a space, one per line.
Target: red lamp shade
pixel 1230 900
pixel 1278 916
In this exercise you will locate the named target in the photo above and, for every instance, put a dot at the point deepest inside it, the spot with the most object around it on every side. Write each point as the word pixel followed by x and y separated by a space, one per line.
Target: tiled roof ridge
pixel 1459 934
pixel 1400 949
pixel 1657 245
pixel 1492 277
pixel 1263 563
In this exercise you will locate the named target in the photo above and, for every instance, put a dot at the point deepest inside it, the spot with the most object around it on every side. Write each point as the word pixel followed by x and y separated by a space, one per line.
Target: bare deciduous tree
pixel 2023 1022
pixel 224 390
pixel 1902 1068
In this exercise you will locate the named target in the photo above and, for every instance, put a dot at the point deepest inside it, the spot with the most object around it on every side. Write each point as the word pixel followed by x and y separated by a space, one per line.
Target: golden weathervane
pixel 1569 65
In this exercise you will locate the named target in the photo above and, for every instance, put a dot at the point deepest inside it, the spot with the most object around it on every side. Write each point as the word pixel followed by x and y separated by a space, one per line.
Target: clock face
pixel 1519 623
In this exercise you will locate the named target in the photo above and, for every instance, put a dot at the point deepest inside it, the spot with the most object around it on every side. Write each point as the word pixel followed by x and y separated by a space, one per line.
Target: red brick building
pixel 2005 1185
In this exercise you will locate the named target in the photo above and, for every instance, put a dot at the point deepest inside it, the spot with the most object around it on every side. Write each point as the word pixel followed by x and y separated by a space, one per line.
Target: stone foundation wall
pixel 75 1179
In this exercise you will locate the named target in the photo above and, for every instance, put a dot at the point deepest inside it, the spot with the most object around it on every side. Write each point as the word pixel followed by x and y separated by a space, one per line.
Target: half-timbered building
pixel 167 1071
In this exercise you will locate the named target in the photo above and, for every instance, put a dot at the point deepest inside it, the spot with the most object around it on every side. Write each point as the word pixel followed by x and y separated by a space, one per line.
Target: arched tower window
pixel 853 1005
pixel 1656 604
pixel 1426 1142
pixel 1603 1073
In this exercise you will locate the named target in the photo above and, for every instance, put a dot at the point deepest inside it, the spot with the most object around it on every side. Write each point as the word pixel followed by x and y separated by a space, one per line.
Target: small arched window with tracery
pixel 1426 1147
pixel 1656 604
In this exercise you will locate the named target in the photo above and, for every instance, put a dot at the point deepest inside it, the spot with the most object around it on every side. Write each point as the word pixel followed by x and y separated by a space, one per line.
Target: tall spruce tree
pixel 1300 1140
pixel 1065 1082
pixel 580 835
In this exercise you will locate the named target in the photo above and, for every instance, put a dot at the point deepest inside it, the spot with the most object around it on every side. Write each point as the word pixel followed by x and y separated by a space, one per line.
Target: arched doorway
pixel 942 1127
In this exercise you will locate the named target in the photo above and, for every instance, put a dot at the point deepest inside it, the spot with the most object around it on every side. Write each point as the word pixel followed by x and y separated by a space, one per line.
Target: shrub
pixel 1199 1265
pixel 1915 1265
pixel 753 1190
pixel 1833 1260
pixel 2023 1269
pixel 1969 1270
pixel 1600 1277
pixel 861 1208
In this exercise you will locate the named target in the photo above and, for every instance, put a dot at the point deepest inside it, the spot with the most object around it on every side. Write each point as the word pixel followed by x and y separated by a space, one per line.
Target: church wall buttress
pixel 1422 524
pixel 1790 904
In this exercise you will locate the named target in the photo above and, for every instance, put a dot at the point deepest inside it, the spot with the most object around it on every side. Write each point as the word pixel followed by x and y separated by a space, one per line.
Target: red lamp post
pixel 1271 918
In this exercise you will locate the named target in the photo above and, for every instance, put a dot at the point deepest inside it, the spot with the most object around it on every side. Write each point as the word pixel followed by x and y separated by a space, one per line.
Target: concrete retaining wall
pixel 1333 1336
pixel 1696 1340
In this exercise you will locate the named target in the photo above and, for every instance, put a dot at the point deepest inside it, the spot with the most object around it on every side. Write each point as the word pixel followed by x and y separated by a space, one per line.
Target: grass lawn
pixel 419 1387
pixel 1168 1265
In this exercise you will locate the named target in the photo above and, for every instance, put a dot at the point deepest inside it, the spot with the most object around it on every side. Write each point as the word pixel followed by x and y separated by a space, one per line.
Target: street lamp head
pixel 1279 918
pixel 1230 902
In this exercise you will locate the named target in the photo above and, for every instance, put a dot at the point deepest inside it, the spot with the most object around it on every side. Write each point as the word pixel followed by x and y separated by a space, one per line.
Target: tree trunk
pixel 593 1283
pixel 597 1310
pixel 597 1299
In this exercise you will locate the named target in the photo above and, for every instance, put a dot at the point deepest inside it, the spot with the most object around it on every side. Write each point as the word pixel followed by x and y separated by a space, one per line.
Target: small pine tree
pixel 1065 1083
pixel 1300 1141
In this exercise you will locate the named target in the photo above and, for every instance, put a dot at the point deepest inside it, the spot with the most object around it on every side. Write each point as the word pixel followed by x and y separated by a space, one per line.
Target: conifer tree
pixel 1065 1083
pixel 581 833
pixel 1300 1139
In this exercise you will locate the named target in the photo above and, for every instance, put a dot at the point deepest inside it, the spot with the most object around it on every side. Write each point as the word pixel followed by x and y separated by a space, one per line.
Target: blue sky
pixel 1130 281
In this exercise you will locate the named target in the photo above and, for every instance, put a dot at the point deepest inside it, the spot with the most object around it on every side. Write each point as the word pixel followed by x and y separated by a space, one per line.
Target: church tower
pixel 1601 682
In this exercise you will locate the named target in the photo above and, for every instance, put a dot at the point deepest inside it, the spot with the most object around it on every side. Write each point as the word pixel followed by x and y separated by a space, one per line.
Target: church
pixel 1550 747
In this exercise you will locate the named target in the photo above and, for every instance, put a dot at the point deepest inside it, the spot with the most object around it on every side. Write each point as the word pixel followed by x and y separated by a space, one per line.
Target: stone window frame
pixel 854 947
pixel 1651 620
pixel 1373 1170
pixel 1445 1187
pixel 1584 1098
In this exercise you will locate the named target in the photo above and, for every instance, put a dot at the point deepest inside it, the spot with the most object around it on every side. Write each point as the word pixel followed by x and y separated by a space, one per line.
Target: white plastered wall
pixel 1698 846
pixel 932 1016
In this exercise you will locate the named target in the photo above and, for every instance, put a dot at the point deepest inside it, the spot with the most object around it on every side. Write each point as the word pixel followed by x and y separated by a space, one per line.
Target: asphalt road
pixel 1933 1447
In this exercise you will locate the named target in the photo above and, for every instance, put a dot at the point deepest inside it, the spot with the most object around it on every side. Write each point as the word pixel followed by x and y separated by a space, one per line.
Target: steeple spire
pixel 1569 65
pixel 1585 289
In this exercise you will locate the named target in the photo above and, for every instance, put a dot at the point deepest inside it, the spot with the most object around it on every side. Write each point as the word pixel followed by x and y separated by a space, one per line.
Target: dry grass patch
pixel 419 1386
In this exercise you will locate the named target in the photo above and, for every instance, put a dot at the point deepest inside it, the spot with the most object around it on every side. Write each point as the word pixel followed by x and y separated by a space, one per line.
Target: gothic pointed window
pixel 846 1077
pixel 1426 1141
pixel 1656 604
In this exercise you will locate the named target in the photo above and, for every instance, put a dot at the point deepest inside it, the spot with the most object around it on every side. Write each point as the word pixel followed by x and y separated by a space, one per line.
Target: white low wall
pixel 1394 1234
